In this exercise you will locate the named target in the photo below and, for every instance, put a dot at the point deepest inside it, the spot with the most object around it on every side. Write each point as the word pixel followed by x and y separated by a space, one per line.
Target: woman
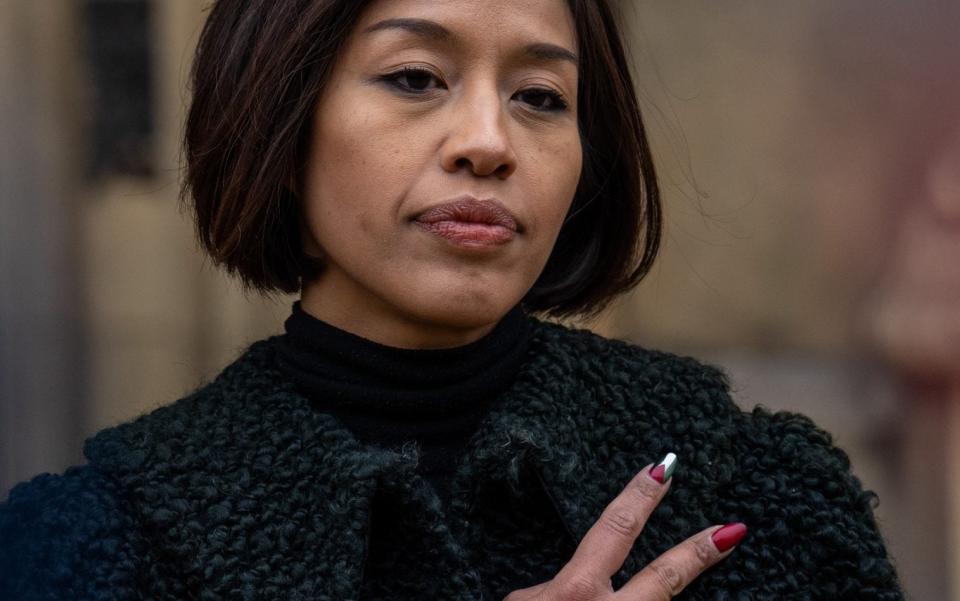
pixel 427 175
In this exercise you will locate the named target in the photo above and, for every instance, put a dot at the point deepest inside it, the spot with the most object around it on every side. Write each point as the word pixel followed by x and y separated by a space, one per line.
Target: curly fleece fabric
pixel 242 490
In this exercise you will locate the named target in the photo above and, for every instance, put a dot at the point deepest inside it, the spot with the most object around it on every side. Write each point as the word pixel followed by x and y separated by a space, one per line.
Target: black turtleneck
pixel 387 396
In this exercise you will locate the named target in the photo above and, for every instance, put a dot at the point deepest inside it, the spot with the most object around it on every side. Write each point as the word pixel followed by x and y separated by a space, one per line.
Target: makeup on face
pixel 444 157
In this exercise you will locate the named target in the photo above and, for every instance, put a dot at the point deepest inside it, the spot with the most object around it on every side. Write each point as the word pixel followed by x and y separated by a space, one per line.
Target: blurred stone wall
pixel 107 309
pixel 807 153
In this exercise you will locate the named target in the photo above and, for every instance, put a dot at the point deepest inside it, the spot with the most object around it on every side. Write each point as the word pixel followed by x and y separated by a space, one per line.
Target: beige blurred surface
pixel 809 156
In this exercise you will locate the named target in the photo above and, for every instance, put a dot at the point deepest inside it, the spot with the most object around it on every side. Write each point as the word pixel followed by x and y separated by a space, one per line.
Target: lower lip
pixel 470 235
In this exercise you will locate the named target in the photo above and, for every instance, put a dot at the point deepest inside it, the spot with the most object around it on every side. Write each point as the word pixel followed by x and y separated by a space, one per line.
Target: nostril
pixel 480 168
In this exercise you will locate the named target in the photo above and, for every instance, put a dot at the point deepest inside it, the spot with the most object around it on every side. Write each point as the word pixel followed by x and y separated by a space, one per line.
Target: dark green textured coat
pixel 242 490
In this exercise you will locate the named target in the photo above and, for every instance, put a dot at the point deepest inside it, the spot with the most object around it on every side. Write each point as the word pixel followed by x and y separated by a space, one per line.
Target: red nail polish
pixel 729 535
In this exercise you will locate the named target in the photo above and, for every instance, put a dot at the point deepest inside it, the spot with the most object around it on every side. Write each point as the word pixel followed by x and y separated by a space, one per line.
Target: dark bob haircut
pixel 257 73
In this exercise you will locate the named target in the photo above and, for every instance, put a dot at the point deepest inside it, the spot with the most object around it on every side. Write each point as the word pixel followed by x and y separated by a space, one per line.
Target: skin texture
pixel 384 151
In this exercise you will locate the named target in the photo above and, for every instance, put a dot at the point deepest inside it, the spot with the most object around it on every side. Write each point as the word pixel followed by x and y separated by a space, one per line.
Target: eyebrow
pixel 432 30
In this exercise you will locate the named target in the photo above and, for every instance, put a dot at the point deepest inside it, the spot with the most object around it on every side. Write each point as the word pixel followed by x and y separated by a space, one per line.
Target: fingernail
pixel 663 470
pixel 729 535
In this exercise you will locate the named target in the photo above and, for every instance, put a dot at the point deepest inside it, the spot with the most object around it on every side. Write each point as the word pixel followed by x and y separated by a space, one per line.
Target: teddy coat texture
pixel 242 490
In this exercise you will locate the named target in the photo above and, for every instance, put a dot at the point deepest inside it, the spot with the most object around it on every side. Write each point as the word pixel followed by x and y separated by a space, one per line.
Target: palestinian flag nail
pixel 663 470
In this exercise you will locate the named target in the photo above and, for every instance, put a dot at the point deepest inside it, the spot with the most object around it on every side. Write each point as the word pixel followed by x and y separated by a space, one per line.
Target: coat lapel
pixel 236 478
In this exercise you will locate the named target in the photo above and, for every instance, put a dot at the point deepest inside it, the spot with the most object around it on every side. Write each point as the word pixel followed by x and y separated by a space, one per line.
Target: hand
pixel 601 553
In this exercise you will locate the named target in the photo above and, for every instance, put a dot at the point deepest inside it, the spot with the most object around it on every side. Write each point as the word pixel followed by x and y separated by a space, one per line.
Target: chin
pixel 464 311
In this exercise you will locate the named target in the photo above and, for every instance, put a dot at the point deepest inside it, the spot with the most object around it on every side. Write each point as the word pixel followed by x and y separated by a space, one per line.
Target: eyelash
pixel 558 100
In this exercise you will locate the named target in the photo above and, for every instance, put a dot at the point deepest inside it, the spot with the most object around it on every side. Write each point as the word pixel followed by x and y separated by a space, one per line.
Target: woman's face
pixel 432 101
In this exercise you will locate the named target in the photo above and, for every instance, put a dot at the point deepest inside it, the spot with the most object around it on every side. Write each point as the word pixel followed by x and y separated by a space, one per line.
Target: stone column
pixel 42 365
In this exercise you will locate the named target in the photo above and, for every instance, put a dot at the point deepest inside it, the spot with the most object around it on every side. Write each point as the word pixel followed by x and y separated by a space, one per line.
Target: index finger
pixel 606 545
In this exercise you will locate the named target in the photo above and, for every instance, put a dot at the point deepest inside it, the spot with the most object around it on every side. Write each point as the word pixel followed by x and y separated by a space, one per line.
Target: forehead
pixel 475 22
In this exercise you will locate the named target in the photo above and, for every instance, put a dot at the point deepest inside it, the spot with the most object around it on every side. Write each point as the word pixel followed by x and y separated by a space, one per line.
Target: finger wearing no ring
pixel 670 573
pixel 606 545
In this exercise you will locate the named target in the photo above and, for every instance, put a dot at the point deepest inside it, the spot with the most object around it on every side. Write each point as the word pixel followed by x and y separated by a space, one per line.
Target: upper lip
pixel 470 209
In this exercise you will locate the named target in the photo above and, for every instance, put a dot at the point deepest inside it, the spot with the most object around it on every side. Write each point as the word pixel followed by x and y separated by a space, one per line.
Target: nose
pixel 478 139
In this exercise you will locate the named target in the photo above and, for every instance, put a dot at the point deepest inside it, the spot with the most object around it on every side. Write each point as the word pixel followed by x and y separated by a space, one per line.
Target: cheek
pixel 560 171
pixel 359 169
pixel 573 154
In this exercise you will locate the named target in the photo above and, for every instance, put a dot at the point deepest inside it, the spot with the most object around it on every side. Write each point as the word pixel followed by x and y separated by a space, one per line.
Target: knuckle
pixel 621 521
pixel 643 492
pixel 668 577
pixel 577 588
pixel 704 550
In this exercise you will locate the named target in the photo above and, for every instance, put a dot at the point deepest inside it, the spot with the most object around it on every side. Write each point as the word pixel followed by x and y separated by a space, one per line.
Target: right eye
pixel 410 79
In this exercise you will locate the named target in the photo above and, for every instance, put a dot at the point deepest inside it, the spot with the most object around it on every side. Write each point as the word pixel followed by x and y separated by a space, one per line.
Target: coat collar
pixel 245 467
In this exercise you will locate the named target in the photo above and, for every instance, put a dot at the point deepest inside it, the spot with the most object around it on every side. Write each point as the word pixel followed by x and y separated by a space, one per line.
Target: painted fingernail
pixel 663 470
pixel 729 535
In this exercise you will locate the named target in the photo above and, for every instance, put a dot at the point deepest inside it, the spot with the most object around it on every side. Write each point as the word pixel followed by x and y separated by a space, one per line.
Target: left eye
pixel 554 100
pixel 413 76
pixel 418 81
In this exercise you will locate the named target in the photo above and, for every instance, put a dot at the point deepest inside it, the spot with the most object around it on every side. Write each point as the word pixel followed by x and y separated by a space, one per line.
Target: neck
pixel 388 396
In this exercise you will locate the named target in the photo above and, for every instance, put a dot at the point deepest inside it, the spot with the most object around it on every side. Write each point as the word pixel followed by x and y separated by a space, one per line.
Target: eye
pixel 415 78
pixel 536 96
pixel 412 80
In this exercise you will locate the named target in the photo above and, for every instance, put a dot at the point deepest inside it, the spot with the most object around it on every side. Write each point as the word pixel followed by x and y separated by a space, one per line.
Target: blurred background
pixel 809 155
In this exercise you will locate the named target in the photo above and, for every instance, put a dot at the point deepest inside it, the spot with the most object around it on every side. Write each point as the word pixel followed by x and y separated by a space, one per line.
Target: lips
pixel 470 210
pixel 470 223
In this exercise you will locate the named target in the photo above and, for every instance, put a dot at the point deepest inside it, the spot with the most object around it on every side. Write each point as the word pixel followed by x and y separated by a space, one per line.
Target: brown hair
pixel 259 68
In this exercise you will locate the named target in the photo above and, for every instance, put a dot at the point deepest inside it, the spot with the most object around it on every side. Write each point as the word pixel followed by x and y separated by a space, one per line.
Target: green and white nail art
pixel 663 470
